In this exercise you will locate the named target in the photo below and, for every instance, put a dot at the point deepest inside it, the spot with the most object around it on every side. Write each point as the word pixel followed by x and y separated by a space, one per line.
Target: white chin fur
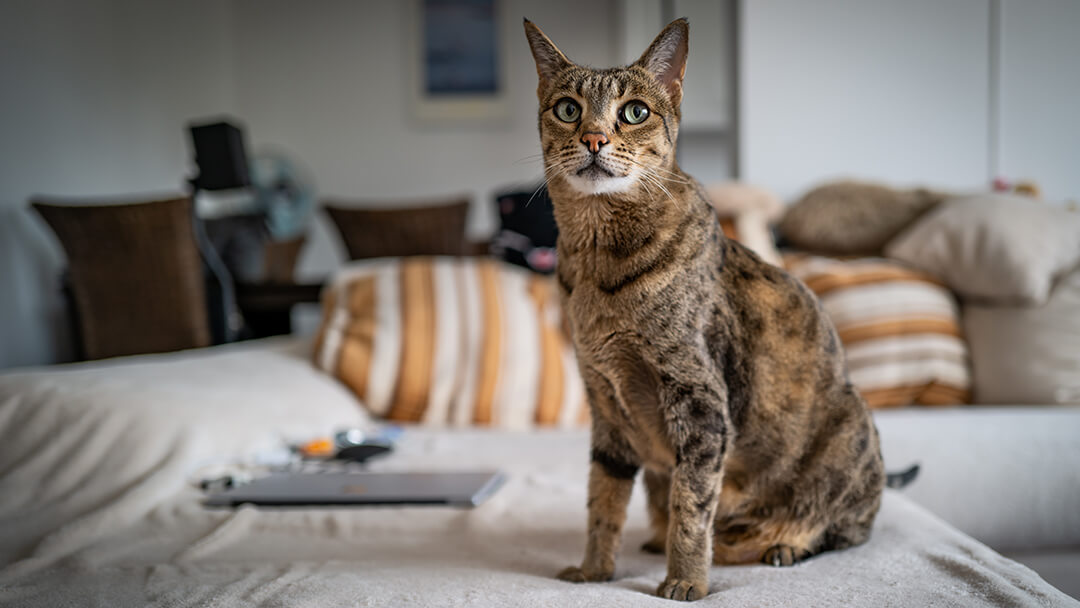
pixel 606 185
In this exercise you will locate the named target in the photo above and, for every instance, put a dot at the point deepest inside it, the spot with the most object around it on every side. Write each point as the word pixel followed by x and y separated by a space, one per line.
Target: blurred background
pixel 332 102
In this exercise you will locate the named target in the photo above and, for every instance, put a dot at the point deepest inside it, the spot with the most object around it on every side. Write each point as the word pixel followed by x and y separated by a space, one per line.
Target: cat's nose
pixel 594 139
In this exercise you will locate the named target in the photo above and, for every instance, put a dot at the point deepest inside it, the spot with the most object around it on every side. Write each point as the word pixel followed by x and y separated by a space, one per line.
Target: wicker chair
pixel 431 229
pixel 135 275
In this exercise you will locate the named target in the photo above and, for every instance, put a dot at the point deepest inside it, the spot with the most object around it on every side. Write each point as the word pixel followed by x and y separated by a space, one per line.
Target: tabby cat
pixel 715 372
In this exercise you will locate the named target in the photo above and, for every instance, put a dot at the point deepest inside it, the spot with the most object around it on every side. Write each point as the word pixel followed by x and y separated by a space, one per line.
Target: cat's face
pixel 610 131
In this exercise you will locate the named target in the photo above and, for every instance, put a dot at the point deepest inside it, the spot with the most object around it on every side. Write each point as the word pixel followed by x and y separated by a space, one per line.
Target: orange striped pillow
pixel 900 329
pixel 451 341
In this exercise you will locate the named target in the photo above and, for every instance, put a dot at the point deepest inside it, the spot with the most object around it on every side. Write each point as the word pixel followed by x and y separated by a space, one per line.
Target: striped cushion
pixel 451 341
pixel 900 329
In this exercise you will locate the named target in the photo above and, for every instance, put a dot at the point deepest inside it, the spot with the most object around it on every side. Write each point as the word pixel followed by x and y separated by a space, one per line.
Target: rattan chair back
pixel 135 274
pixel 419 229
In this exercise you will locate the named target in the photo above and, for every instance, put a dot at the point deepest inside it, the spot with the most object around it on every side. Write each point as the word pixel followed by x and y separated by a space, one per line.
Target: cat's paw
pixel 682 590
pixel 653 546
pixel 783 555
pixel 573 574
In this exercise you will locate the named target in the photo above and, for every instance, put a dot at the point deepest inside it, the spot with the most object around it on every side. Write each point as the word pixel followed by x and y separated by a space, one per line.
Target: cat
pixel 715 372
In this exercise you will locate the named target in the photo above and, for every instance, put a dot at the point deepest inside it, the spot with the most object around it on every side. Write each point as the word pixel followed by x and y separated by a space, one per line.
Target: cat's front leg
pixel 611 479
pixel 700 430
pixel 689 541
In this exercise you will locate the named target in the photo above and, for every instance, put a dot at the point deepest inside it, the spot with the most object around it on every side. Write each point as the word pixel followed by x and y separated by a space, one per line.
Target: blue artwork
pixel 460 39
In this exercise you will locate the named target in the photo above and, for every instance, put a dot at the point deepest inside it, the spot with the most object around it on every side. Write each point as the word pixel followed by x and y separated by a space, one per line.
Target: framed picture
pixel 459 61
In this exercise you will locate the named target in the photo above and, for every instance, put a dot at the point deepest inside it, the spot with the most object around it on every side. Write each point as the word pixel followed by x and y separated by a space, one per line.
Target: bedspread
pixel 96 508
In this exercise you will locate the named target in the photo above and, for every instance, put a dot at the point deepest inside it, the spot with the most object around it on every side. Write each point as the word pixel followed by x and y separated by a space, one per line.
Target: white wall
pixel 880 89
pixel 330 88
pixel 1039 95
pixel 94 101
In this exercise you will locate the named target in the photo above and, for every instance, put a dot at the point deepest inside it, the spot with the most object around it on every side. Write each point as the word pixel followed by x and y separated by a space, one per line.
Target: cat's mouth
pixel 595 178
pixel 593 170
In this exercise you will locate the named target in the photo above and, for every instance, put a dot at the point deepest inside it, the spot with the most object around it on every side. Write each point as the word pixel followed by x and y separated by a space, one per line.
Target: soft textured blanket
pixel 96 509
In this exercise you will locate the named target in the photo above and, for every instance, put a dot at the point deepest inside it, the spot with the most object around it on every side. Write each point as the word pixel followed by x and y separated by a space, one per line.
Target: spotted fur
pixel 714 371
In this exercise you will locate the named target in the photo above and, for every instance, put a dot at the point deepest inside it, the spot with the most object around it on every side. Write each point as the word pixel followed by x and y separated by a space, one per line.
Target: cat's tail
pixel 903 478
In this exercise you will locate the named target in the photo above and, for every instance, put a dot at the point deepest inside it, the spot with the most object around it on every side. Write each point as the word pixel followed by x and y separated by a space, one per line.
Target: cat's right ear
pixel 549 59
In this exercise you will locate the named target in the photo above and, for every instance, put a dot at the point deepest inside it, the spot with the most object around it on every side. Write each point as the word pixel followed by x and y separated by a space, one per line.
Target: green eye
pixel 567 110
pixel 635 112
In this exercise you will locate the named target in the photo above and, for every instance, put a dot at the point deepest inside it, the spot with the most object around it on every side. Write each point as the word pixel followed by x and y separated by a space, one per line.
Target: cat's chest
pixel 646 317
pixel 626 349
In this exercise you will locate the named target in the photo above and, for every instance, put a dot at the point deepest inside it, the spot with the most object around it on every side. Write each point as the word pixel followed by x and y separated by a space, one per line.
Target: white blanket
pixel 95 509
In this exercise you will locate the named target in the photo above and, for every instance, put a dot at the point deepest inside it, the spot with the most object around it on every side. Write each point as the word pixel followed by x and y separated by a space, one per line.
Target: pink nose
pixel 594 140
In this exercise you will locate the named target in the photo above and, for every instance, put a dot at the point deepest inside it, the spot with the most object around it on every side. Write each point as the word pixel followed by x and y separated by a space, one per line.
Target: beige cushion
pixel 994 247
pixel 900 329
pixel 745 212
pixel 451 341
pixel 1024 355
pixel 751 230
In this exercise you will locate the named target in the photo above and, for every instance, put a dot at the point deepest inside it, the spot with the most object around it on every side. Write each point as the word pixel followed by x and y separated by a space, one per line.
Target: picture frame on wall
pixel 458 60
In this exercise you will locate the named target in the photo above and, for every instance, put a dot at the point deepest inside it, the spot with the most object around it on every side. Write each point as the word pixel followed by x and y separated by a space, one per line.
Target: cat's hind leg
pixel 784 555
pixel 840 535
pixel 658 491
pixel 770 542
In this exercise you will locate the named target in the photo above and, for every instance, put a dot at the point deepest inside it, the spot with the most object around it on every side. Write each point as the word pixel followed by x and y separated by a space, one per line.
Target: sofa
pixel 101 465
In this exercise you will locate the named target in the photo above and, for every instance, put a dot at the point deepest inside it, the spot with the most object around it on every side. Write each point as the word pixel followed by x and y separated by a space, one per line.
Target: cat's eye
pixel 567 110
pixel 635 112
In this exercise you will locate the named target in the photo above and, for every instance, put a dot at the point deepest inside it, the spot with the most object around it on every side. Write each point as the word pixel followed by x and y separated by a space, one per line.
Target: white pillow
pixel 993 247
pixel 1028 354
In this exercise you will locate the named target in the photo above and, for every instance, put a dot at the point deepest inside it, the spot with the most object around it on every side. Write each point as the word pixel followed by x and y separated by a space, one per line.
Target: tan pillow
pixel 1023 355
pixel 853 218
pixel 900 329
pixel 995 248
pixel 451 341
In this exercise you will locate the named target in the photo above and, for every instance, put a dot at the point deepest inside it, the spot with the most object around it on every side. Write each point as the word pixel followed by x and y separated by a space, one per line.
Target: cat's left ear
pixel 666 57
pixel 549 59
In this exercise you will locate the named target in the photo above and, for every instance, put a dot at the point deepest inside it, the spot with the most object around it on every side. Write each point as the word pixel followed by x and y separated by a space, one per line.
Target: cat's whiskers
pixel 653 175
pixel 670 177
pixel 529 159
pixel 538 188
pixel 651 178
pixel 551 171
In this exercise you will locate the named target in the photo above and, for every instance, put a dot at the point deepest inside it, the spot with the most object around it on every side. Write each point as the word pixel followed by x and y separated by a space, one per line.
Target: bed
pixel 98 508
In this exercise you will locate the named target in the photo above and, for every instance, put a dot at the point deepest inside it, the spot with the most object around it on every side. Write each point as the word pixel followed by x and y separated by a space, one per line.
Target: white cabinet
pixel 707 90
pixel 881 89
pixel 1038 88
pixel 949 94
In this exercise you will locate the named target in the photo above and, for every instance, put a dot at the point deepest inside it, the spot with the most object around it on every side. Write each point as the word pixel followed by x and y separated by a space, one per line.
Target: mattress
pixel 97 507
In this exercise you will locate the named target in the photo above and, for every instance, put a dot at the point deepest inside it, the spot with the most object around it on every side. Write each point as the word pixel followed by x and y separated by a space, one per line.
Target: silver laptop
pixel 363 488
